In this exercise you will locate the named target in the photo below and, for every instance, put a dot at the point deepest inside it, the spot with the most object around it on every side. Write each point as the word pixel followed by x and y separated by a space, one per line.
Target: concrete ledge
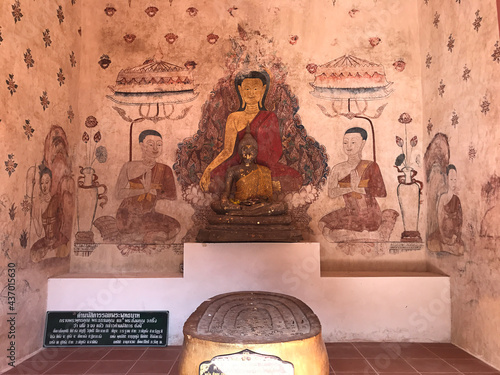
pixel 361 307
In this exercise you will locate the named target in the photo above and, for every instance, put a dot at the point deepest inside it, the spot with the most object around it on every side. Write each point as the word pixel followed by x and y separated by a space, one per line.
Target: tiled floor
pixel 345 358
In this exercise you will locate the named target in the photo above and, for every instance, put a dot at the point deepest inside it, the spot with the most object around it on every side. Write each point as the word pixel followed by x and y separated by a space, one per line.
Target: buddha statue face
pixel 152 147
pixel 252 90
pixel 353 144
pixel 248 153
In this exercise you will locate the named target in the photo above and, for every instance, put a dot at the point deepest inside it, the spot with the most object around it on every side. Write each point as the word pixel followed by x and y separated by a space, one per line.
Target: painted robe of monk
pixel 361 211
pixel 136 216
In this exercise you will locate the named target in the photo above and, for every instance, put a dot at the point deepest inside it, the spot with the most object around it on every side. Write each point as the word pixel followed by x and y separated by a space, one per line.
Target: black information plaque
pixel 99 328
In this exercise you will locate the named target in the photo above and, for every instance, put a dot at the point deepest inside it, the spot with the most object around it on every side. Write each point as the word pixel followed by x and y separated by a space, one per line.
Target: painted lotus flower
pixel 129 38
pixel 399 141
pixel 312 68
pixel 97 137
pixel 171 38
pixel 399 65
pixel 405 118
pixel 91 122
pixel 104 61
pixel 212 38
pixel 110 11
pixel 190 65
pixel 192 11
pixel 151 11
pixel 44 100
pixel 293 39
pixel 414 141
pixel 85 137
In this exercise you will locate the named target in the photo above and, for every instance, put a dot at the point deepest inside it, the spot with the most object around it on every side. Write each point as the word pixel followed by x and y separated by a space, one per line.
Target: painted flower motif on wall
pixel 46 38
pixel 212 38
pixel 375 41
pixel 60 77
pixel 293 39
pixel 312 68
pixel 28 129
pixel 91 122
pixel 454 119
pixel 428 60
pixel 71 114
pixel 171 38
pixel 104 61
pixel 26 204
pixel 151 11
pixel 72 59
pixel 12 212
pixel 399 65
pixel 11 84
pixel 109 11
pixel 441 88
pixel 472 152
pixel 44 100
pixel 60 14
pixel 352 12
pixel 466 74
pixel 23 239
pixel 485 106
pixel 430 125
pixel 1 39
pixel 477 21
pixel 10 164
pixel 451 43
pixel 231 10
pixel 190 65
pixel 435 22
pixel 16 11
pixel 405 157
pixel 496 53
pixel 192 11
pixel 129 38
pixel 28 59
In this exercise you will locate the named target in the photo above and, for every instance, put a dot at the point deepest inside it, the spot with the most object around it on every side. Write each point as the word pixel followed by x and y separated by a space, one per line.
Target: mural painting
pixel 254 96
pixel 51 190
pixel 153 88
pixel 445 217
pixel 350 84
pixel 490 192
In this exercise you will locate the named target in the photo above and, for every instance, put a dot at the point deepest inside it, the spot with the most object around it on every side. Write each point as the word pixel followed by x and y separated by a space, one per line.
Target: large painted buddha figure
pixel 264 127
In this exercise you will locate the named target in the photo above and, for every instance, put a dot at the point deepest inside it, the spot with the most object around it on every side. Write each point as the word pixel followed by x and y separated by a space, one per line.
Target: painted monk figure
pixel 48 218
pixel 264 126
pixel 252 185
pixel 448 237
pixel 358 182
pixel 140 184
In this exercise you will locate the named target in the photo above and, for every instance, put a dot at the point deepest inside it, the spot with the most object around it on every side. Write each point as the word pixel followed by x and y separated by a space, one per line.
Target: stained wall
pixel 39 45
pixel 460 63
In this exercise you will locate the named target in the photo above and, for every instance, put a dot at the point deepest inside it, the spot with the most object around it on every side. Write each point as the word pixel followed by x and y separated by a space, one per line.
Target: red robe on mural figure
pixel 361 211
pixel 136 216
pixel 265 129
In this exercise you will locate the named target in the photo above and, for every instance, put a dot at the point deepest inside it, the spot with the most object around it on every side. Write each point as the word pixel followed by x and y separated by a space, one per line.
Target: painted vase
pixel 409 190
pixel 90 192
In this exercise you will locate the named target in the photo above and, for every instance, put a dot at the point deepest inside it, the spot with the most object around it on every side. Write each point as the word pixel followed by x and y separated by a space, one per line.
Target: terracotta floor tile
pixel 380 349
pixel 342 350
pixel 391 365
pixel 345 365
pixel 71 367
pixel 425 365
pixel 416 351
pixel 88 354
pixel 111 367
pixel 123 354
pixel 52 354
pixel 159 354
pixel 470 365
pixel 446 352
pixel 32 367
pixel 151 367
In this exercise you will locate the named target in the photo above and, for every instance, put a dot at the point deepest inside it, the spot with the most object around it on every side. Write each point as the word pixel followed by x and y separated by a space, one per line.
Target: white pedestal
pixel 351 307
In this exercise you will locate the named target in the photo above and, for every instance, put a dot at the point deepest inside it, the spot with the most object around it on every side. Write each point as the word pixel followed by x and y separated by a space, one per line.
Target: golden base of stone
pixel 308 356
pixel 262 325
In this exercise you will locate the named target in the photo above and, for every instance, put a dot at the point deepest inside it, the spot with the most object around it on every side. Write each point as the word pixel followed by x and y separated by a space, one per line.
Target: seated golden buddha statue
pixel 248 186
